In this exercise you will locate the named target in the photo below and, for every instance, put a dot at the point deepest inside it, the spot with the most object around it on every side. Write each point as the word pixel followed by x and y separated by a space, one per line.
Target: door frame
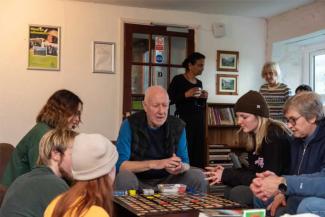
pixel 129 29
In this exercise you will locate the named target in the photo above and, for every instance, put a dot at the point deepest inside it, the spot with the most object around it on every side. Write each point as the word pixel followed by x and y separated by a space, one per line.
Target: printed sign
pixel 44 47
pixel 159 58
pixel 159 43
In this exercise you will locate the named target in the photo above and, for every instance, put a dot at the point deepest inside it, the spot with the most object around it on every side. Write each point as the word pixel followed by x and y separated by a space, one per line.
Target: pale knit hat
pixel 93 155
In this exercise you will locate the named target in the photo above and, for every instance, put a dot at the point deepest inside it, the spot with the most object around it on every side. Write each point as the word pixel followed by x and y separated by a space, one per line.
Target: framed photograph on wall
pixel 226 84
pixel 227 61
pixel 44 47
pixel 103 57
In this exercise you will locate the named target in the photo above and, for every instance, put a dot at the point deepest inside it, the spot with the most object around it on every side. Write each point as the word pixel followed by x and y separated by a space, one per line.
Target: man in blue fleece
pixel 305 118
pixel 152 148
pixel 309 186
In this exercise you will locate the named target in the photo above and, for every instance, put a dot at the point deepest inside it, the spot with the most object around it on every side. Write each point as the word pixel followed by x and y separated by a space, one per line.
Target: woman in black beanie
pixel 267 144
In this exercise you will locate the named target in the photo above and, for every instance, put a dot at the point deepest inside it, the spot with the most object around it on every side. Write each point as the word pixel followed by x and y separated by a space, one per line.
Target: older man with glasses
pixel 305 118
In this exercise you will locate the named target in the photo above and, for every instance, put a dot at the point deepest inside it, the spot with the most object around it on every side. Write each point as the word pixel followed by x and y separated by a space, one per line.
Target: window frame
pixel 308 63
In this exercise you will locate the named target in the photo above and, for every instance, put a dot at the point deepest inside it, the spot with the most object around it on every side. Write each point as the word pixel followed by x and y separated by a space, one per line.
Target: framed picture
pixel 227 61
pixel 103 57
pixel 44 47
pixel 227 84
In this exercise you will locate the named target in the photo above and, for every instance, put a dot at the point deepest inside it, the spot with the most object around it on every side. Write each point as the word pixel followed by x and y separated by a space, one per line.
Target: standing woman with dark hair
pixel 62 110
pixel 186 92
pixel 93 167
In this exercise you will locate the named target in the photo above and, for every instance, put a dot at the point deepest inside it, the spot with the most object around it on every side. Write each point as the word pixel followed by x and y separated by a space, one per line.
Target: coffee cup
pixel 198 92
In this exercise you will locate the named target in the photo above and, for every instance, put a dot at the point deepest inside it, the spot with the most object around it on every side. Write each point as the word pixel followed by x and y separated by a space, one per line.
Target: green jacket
pixel 23 158
pixel 29 194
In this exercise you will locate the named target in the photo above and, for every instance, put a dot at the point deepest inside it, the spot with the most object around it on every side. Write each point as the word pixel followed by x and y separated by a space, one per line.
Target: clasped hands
pixel 172 165
pixel 264 186
pixel 214 174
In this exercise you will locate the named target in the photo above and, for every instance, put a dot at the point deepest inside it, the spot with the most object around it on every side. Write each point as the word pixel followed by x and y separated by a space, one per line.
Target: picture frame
pixel 103 57
pixel 227 84
pixel 227 61
pixel 44 47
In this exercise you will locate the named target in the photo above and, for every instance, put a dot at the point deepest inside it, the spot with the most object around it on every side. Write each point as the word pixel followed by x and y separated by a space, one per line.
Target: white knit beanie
pixel 93 156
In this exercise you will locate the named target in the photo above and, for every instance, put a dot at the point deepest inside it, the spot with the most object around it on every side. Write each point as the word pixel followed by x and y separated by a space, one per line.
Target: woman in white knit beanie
pixel 93 168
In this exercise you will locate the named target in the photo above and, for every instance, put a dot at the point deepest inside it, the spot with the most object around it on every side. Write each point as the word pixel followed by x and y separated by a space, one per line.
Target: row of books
pixel 221 116
pixel 219 155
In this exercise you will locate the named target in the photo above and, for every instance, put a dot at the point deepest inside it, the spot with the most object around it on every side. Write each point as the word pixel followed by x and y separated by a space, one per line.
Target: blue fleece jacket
pixel 123 145
pixel 308 175
pixel 308 155
pixel 307 184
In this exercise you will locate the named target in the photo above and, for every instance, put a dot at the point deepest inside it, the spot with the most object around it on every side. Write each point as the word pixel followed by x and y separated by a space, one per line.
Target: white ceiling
pixel 249 8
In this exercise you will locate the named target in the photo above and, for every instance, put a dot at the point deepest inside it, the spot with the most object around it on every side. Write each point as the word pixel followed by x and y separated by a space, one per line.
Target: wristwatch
pixel 283 186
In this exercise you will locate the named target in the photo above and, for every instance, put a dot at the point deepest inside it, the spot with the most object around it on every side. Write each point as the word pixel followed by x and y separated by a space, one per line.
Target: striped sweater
pixel 275 98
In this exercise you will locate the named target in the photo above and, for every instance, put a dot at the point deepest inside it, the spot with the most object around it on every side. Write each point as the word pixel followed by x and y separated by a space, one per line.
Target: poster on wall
pixel 44 47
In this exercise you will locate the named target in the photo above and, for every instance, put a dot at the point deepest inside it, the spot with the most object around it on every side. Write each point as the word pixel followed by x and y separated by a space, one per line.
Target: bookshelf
pixel 221 138
pixel 221 133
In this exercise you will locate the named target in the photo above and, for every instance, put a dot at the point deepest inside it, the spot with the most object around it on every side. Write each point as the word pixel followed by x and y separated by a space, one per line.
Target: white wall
pixel 23 92
pixel 293 56
pixel 289 36
pixel 294 23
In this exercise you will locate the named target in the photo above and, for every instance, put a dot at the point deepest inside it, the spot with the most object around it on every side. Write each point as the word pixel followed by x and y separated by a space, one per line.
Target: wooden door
pixel 153 55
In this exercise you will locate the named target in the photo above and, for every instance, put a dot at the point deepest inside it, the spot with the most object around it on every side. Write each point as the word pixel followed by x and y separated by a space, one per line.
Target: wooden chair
pixel 5 154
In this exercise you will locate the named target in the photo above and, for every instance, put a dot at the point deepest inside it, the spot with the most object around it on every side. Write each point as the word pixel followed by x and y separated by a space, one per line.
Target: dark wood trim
pixel 151 30
pixel 127 68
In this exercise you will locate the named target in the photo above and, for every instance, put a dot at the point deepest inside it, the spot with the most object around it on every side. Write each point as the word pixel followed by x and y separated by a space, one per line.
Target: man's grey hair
pixel 307 104
pixel 153 90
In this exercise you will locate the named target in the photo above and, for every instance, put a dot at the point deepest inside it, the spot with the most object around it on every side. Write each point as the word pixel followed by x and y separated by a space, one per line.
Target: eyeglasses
pixel 292 120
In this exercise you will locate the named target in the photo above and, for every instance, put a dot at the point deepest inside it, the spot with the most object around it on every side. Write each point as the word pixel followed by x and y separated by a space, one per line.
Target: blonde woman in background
pixel 274 92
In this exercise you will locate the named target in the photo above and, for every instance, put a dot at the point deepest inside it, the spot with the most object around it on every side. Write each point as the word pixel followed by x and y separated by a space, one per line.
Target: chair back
pixel 5 155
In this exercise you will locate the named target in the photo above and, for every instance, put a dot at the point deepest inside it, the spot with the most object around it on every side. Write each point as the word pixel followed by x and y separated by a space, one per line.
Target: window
pixel 301 60
pixel 317 70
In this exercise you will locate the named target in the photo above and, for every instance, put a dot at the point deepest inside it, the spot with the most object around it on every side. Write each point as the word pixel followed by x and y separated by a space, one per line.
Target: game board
pixel 142 205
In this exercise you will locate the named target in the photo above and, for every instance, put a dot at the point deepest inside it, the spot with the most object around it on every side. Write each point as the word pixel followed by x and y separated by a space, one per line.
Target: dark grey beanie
pixel 253 103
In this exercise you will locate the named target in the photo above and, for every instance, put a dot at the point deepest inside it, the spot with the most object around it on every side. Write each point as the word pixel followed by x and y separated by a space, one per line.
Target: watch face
pixel 283 188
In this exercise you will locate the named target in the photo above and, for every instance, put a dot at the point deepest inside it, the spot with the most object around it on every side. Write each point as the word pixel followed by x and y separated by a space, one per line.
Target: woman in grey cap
pixel 267 144
pixel 93 167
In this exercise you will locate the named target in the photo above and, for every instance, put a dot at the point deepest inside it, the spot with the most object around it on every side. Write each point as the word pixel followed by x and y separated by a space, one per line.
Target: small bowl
pixel 172 188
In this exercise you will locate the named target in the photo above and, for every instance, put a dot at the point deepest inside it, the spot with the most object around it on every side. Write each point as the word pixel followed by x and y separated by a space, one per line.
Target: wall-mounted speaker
pixel 218 30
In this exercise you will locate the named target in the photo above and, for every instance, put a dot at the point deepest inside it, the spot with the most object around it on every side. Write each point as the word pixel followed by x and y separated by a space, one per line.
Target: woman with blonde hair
pixel 62 110
pixel 267 144
pixel 274 92
pixel 93 168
